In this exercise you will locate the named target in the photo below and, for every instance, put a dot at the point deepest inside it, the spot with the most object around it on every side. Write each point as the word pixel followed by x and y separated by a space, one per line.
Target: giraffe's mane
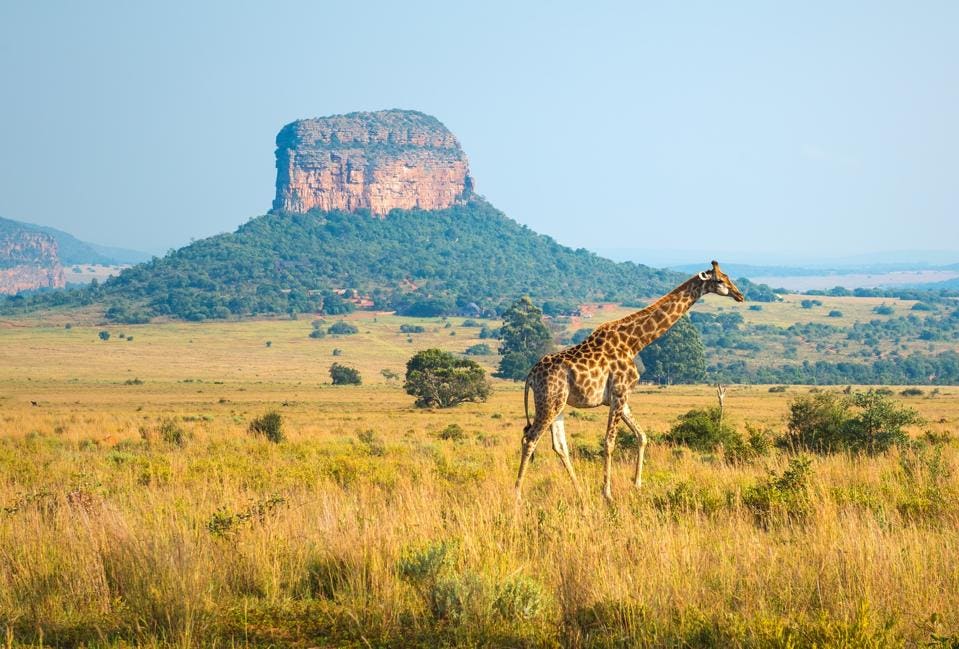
pixel 652 308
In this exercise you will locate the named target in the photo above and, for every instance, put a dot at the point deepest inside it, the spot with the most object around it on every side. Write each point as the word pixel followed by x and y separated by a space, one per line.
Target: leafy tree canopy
pixel 525 338
pixel 677 356
pixel 440 379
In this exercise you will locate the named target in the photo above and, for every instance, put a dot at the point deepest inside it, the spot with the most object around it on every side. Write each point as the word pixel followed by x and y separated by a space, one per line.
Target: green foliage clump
pixel 678 356
pixel 703 429
pixel 481 349
pixel 863 422
pixel 453 433
pixel 345 375
pixel 520 598
pixel 412 329
pixel 104 335
pixel 781 498
pixel 440 379
pixel 835 313
pixel 269 425
pixel 525 338
pixel 883 309
pixel 342 328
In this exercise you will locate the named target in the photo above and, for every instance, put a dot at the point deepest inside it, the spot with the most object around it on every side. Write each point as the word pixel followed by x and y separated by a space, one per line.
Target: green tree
pixel 676 357
pixel 344 375
pixel 525 339
pixel 440 379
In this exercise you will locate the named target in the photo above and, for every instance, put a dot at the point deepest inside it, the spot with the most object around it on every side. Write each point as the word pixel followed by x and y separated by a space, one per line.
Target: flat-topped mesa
pixel 377 161
pixel 28 261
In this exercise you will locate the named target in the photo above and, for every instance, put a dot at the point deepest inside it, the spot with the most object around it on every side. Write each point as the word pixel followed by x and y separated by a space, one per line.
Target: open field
pixel 143 512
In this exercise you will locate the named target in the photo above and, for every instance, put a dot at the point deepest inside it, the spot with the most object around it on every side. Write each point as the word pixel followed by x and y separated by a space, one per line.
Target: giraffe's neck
pixel 643 327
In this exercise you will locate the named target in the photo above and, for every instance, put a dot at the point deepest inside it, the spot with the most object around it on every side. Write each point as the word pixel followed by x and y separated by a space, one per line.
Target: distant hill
pixel 74 251
pixel 469 256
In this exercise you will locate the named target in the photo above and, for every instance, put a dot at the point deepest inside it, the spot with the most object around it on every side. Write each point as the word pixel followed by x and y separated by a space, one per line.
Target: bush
pixel 317 333
pixel 863 422
pixel 520 598
pixel 883 309
pixel 912 392
pixel 104 335
pixel 835 313
pixel 453 432
pixel 344 375
pixel 778 388
pixel 269 426
pixel 701 430
pixel 438 378
pixel 342 328
pixel 784 497
pixel 482 349
pixel 411 329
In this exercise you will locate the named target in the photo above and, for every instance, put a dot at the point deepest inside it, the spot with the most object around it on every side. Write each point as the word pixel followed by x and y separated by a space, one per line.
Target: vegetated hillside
pixel 74 251
pixel 421 263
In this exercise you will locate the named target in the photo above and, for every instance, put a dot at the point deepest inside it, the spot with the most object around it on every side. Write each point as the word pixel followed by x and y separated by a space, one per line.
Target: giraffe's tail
pixel 529 424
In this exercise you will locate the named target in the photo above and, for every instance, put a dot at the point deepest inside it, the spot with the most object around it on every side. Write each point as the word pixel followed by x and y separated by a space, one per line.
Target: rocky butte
pixel 28 260
pixel 378 161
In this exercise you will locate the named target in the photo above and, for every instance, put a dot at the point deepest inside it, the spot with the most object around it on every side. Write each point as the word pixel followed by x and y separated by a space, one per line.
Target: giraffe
pixel 601 371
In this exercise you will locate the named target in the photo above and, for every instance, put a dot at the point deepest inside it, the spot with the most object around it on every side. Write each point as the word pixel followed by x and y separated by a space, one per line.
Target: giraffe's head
pixel 718 282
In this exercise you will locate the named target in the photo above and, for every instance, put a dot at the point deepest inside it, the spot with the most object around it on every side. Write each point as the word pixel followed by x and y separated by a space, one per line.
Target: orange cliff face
pixel 377 161
pixel 29 260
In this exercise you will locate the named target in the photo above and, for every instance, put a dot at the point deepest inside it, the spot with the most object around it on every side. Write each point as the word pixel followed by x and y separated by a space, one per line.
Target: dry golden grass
pixel 366 528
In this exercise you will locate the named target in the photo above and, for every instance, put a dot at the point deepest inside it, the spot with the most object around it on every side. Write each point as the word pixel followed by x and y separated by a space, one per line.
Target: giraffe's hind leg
pixel 558 429
pixel 531 435
pixel 550 397
pixel 641 445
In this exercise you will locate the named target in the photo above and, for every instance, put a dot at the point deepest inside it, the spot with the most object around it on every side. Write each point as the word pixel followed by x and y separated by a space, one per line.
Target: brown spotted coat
pixel 601 370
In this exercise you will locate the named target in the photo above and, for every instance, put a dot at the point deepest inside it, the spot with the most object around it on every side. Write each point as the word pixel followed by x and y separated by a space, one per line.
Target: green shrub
pixel 687 497
pixel 104 335
pixel 345 375
pixel 423 565
pixel 373 443
pixel 317 333
pixel 861 422
pixel 778 388
pixel 440 379
pixel 520 598
pixel 701 430
pixel 912 392
pixel 171 433
pixel 342 328
pixel 411 329
pixel 835 313
pixel 781 497
pixel 269 425
pixel 482 349
pixel 453 432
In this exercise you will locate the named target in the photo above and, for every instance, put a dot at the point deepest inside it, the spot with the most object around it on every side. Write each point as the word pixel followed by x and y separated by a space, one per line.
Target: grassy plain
pixel 135 508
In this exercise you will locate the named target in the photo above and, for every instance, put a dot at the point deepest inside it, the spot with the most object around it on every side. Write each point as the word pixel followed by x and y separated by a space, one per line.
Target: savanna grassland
pixel 136 508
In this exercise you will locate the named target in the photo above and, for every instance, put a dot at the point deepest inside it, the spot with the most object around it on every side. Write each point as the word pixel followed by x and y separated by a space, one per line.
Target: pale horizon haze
pixel 766 130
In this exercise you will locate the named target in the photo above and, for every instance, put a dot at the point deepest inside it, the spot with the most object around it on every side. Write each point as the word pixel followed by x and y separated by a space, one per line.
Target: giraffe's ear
pixel 704 276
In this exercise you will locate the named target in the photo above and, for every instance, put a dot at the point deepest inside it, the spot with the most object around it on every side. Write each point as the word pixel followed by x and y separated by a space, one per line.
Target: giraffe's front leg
pixel 609 443
pixel 641 441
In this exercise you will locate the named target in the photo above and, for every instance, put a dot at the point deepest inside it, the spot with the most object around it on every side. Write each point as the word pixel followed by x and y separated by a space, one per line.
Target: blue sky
pixel 763 131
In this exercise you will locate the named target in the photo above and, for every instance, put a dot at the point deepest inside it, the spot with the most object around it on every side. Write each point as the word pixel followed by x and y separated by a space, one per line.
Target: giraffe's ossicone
pixel 601 371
